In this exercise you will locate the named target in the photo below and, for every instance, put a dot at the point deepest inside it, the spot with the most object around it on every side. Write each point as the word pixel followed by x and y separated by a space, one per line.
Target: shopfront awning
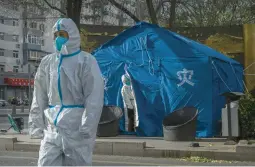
pixel 18 82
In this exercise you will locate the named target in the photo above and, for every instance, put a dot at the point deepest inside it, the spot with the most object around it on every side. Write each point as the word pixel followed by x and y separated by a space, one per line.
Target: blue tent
pixel 168 71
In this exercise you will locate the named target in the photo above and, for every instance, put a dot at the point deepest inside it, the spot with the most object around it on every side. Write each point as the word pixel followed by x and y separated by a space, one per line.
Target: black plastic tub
pixel 109 122
pixel 180 125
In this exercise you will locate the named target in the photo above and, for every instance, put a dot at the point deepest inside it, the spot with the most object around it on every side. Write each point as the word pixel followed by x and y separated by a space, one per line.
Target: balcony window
pixel 16 69
pixel 41 41
pixel 34 55
pixel 25 24
pixel 1 36
pixel 1 52
pixel 2 67
pixel 42 28
pixel 32 39
pixel 33 25
pixel 15 38
pixel 16 54
pixel 15 22
pixel 2 20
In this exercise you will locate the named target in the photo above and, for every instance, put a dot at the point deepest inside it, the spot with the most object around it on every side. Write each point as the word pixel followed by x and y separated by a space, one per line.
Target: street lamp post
pixel 29 86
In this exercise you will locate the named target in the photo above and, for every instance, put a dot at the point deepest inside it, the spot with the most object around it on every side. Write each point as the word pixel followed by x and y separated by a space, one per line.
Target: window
pixel 1 36
pixel 25 24
pixel 15 68
pixel 34 39
pixel 17 46
pixel 16 54
pixel 41 41
pixel 32 9
pixel 1 52
pixel 41 27
pixel 2 20
pixel 29 38
pixel 36 67
pixel 15 22
pixel 15 7
pixel 15 38
pixel 33 25
pixel 33 55
pixel 2 67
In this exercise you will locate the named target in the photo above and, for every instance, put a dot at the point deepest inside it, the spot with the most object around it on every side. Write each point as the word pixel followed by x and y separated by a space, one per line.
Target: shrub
pixel 247 116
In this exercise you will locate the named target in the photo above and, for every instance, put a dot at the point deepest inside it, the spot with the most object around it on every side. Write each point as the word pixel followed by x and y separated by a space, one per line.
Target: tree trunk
pixel 172 13
pixel 73 8
pixel 152 12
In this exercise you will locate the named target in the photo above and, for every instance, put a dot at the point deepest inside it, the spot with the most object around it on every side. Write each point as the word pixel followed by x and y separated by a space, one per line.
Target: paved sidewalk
pixel 145 147
pixel 151 142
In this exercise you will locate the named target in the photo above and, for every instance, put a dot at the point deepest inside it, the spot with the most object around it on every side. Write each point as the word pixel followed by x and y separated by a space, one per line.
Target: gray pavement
pixel 30 159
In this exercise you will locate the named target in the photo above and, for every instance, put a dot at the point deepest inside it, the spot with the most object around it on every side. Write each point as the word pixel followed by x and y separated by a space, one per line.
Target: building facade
pixel 25 39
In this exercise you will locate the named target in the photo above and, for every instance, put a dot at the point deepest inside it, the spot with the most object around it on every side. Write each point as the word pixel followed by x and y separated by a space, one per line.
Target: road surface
pixel 30 159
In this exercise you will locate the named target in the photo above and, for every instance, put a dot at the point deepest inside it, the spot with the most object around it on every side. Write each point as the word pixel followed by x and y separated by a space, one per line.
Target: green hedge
pixel 247 116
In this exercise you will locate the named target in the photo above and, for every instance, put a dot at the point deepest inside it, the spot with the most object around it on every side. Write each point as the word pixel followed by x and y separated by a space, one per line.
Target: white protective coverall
pixel 67 103
pixel 128 100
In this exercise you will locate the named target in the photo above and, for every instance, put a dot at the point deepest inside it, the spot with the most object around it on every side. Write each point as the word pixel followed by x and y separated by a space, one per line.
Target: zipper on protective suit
pixel 61 57
pixel 59 87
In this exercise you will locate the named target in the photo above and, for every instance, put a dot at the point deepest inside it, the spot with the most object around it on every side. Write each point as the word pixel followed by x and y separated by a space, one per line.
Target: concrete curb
pixel 228 156
pixel 7 143
pixel 139 149
pixel 101 148
pixel 245 148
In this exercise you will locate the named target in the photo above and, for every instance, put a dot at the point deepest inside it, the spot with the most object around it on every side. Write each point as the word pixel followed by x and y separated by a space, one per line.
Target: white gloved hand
pixel 36 134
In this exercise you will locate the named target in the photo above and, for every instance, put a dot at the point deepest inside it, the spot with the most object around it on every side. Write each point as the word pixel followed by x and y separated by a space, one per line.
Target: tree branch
pixel 54 7
pixel 123 9
pixel 39 6
pixel 161 3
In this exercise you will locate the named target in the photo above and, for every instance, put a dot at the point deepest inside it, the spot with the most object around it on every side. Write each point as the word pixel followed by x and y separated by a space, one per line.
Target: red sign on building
pixel 18 81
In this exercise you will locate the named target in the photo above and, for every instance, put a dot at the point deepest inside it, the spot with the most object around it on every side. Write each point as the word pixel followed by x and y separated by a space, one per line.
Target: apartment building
pixel 24 41
pixel 25 38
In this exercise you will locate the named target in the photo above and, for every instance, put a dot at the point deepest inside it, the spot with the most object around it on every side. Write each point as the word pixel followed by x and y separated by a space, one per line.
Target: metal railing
pixel 23 111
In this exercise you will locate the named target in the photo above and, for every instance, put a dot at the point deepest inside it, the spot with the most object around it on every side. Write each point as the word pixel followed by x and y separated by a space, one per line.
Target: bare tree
pixel 164 12
pixel 72 10
pixel 214 12
pixel 123 9
pixel 152 12
pixel 172 13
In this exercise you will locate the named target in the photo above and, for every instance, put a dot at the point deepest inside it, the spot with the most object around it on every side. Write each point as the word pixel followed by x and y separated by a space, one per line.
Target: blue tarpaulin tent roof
pixel 168 71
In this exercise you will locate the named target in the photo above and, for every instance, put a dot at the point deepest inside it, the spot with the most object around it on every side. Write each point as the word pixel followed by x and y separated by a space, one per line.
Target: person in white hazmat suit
pixel 67 101
pixel 130 109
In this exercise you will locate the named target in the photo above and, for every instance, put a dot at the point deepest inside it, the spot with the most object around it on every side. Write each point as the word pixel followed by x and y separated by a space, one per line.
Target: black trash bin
pixel 180 125
pixel 109 122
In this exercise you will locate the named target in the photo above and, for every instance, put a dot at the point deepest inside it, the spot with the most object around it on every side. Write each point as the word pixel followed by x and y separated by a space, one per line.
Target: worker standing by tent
pixel 129 104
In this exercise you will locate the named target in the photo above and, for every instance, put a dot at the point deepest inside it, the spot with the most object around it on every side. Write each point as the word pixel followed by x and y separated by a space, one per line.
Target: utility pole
pixel 29 86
